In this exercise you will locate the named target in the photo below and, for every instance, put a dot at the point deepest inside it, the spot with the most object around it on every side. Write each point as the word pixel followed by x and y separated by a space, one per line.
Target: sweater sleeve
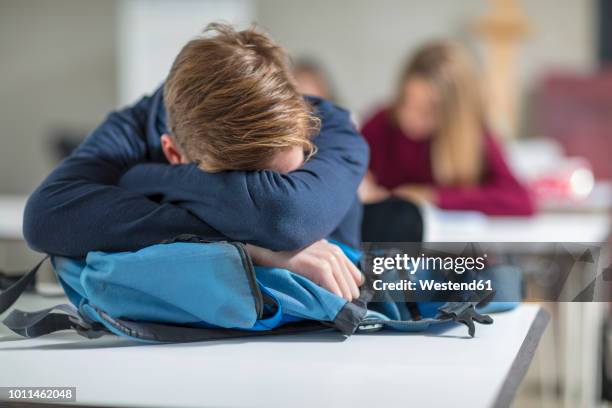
pixel 78 208
pixel 266 208
pixel 499 194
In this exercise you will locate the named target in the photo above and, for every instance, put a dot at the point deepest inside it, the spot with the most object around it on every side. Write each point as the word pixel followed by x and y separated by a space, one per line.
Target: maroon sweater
pixel 396 159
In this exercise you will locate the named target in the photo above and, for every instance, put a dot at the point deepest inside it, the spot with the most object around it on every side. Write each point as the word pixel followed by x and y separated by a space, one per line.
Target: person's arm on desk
pixel 78 208
pixel 277 211
pixel 322 262
pixel 499 194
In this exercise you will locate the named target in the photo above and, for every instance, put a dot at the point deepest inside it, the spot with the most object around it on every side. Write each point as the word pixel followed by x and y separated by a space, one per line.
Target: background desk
pixel 378 370
pixel 575 357
pixel 11 216
pixel 548 226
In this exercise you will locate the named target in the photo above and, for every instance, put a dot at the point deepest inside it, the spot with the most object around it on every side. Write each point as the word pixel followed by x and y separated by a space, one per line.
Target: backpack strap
pixel 168 333
pixel 12 293
pixel 34 324
pixel 66 316
pixel 45 321
pixel 464 313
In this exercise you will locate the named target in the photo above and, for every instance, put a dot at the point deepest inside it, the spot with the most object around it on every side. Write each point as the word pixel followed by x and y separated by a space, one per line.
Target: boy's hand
pixel 323 263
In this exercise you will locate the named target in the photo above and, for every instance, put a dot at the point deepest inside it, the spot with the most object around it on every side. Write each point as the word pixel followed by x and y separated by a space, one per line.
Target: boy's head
pixel 232 105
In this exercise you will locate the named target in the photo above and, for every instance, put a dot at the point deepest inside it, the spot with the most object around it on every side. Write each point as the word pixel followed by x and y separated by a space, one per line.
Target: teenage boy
pixel 212 154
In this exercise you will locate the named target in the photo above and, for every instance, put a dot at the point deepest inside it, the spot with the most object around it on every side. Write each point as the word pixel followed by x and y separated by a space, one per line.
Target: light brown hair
pixel 457 157
pixel 232 103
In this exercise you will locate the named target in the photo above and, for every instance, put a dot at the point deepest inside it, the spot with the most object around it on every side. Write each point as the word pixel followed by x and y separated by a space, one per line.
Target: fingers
pixel 353 273
pixel 326 279
pixel 345 273
pixel 351 279
pixel 340 274
pixel 328 266
pixel 358 277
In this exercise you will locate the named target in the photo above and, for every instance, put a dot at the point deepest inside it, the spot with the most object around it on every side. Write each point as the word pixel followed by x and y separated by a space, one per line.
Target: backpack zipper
pixel 247 262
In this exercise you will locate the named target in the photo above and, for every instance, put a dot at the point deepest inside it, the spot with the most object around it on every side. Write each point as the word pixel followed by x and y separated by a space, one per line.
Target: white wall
pixel 152 32
pixel 57 63
pixel 67 63
pixel 363 43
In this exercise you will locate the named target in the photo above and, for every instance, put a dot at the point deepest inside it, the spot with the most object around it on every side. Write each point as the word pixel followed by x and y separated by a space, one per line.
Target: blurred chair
pixel 63 142
pixel 576 111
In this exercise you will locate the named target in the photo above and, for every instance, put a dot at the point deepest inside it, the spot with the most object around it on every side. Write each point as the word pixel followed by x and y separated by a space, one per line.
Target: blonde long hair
pixel 456 152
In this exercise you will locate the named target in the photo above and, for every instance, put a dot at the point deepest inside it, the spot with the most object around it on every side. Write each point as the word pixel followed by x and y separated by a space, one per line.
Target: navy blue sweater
pixel 117 192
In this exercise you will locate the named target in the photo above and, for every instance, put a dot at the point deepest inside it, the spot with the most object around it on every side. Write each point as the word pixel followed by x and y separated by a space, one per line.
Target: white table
pixel 590 224
pixel 471 226
pixel 11 216
pixel 438 369
pixel 585 221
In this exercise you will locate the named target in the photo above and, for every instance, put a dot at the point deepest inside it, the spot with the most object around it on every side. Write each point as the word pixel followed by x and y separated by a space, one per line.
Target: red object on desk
pixel 572 182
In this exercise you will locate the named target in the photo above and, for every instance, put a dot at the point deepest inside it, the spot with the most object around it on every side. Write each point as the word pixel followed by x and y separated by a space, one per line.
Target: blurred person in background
pixel 432 144
pixel 312 79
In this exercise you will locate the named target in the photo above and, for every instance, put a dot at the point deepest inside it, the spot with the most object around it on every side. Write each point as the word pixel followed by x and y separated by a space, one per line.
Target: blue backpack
pixel 189 290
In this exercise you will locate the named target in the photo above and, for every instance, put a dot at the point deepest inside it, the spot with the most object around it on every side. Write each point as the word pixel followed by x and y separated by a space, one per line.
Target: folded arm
pixel 265 208
pixel 79 208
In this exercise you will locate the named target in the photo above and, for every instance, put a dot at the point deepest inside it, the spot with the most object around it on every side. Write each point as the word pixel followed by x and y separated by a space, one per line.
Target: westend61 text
pixel 432 285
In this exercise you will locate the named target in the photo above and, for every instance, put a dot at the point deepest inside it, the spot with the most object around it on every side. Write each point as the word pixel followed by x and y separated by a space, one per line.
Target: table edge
pixel 522 360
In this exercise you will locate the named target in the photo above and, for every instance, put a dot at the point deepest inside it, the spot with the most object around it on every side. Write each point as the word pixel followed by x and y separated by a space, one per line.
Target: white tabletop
pixel 436 369
pixel 471 226
pixel 11 216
